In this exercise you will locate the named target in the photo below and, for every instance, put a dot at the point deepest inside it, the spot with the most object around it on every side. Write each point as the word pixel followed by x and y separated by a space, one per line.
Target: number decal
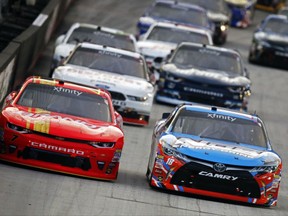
pixel 118 103
pixel 170 161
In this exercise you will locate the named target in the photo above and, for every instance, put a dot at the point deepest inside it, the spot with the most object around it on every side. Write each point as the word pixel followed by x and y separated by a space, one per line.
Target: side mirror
pixel 119 120
pixel 59 40
pixel 170 54
pixel 9 98
pixel 246 73
pixel 157 62
pixel 165 115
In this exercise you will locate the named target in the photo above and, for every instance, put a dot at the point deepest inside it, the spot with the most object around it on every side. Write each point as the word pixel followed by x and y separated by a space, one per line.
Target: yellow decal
pixel 28 124
pixel 42 126
pixel 97 91
pixel 48 82
pixel 38 110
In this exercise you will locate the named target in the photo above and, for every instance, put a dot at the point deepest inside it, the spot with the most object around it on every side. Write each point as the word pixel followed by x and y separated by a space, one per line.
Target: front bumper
pixel 198 177
pixel 184 93
pixel 48 153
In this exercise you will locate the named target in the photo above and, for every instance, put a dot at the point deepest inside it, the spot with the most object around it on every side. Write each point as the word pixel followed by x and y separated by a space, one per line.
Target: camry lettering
pixel 68 91
pixel 56 148
pixel 223 117
pixel 219 176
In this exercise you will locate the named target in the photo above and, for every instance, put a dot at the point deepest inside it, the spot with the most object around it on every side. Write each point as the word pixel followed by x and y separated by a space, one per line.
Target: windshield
pixel 179 14
pixel 278 26
pixel 173 35
pixel 66 101
pixel 209 59
pixel 212 5
pixel 219 127
pixel 108 61
pixel 91 35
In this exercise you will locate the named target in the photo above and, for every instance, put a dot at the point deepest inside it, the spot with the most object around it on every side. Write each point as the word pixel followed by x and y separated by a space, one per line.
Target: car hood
pixel 222 152
pixel 112 82
pixel 155 48
pixel 61 125
pixel 271 37
pixel 208 76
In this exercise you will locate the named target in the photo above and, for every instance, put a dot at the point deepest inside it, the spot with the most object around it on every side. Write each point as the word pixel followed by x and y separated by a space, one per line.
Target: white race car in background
pixel 123 73
pixel 162 38
pixel 84 32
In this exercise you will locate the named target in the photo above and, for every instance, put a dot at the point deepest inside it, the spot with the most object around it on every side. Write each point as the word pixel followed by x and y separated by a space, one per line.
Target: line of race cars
pixel 103 77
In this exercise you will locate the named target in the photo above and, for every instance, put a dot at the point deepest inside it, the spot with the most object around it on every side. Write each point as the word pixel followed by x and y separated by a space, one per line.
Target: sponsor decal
pixel 223 117
pixel 239 150
pixel 217 175
pixel 68 91
pixel 57 148
pixel 37 117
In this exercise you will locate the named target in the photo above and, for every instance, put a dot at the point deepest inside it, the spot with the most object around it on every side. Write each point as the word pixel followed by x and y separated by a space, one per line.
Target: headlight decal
pixel 135 98
pixel 18 128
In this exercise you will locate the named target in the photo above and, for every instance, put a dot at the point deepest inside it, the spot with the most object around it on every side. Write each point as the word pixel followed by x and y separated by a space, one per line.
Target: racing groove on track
pixel 31 192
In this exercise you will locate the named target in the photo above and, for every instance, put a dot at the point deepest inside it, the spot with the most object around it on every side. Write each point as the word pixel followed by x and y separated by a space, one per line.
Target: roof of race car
pixel 276 16
pixel 100 28
pixel 239 2
pixel 70 85
pixel 220 110
pixel 109 49
pixel 211 47
pixel 180 4
pixel 179 26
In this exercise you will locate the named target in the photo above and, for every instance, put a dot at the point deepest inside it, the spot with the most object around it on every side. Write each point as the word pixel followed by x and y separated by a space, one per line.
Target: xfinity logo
pixel 103 52
pixel 219 176
pixel 98 33
pixel 56 148
pixel 217 116
pixel 68 91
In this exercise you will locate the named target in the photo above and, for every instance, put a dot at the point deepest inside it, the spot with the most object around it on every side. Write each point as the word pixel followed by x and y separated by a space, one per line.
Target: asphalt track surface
pixel 25 191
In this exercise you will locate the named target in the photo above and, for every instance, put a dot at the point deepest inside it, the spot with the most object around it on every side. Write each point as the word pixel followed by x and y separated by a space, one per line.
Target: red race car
pixel 63 127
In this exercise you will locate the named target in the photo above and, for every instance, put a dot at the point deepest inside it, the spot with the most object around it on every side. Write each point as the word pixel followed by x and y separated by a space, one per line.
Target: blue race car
pixel 214 152
pixel 242 12
pixel 175 12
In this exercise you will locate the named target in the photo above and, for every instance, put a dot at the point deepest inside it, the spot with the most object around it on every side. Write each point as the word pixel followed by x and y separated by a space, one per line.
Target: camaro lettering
pixel 217 116
pixel 216 175
pixel 69 91
pixel 57 148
